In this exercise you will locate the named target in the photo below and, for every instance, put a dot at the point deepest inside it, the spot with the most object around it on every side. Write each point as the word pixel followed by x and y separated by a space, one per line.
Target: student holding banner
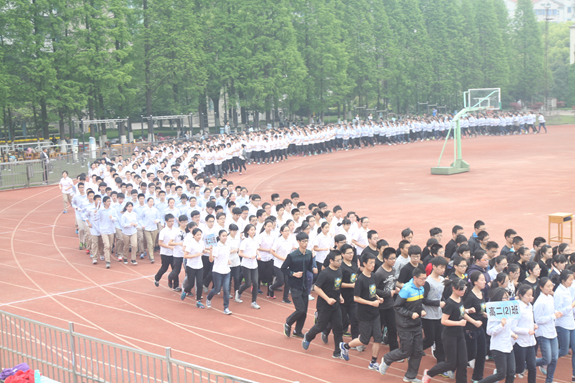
pixel 501 345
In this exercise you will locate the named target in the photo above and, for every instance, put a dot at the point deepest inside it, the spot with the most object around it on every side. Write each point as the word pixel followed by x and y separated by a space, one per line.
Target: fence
pixel 69 357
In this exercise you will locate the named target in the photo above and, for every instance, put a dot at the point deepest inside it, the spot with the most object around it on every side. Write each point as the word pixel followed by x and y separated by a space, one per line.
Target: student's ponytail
pixel 323 224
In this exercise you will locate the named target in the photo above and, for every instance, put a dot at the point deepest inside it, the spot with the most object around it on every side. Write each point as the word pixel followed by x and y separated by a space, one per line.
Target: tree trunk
pixel 44 119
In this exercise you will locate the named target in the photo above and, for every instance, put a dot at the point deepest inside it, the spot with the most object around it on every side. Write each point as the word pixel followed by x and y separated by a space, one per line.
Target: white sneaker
pixel 255 306
pixel 237 298
pixel 311 298
pixel 471 363
pixel 227 311
pixel 208 303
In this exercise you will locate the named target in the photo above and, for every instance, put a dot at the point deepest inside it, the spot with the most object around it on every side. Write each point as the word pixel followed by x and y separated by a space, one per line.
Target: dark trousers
pixel 266 273
pixel 349 317
pixel 174 276
pixel 235 277
pixel 194 276
pixel 411 347
pixel 476 348
pixel 432 330
pixel 167 261
pixel 455 358
pixel 300 301
pixel 505 364
pixel 387 317
pixel 207 270
pixel 324 318
pixel 251 279
pixel 525 356
pixel 281 281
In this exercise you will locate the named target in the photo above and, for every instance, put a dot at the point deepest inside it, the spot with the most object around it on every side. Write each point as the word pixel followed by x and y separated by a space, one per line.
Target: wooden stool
pixel 560 219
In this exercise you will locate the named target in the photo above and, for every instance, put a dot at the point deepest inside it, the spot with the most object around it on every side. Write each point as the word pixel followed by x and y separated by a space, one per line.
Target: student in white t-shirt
pixel 67 187
pixel 250 255
pixel 220 256
pixel 193 250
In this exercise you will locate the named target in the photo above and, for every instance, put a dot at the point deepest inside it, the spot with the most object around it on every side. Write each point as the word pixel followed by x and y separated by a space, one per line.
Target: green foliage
pixel 64 59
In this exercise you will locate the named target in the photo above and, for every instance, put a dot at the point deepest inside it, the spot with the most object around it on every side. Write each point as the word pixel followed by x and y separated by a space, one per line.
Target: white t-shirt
pixel 194 247
pixel 360 236
pixel 249 246
pixel 283 247
pixel 266 241
pixel 66 183
pixel 166 235
pixel 221 254
pixel 323 241
pixel 178 251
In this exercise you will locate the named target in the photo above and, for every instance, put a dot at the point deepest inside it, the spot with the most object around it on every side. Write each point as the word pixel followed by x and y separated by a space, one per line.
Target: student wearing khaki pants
pixel 67 187
pixel 149 220
pixel 91 214
pixel 129 224
pixel 107 217
pixel 119 235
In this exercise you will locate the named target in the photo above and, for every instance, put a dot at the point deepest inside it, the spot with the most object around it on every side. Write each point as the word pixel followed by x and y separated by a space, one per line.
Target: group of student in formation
pixel 227 239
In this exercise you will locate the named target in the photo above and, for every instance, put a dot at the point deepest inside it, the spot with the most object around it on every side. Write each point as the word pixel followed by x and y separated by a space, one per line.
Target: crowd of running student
pixel 226 239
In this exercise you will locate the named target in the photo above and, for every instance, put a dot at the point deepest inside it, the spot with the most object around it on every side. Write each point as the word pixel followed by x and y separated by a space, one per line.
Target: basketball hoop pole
pixel 458 165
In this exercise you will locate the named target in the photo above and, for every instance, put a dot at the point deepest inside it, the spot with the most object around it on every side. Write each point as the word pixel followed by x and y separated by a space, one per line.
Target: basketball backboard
pixel 485 98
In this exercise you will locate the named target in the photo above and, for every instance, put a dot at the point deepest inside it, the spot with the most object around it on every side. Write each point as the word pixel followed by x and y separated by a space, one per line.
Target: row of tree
pixel 64 59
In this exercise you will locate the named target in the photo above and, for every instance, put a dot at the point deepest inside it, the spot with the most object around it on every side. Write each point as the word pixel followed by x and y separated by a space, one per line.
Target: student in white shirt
pixel 565 326
pixel 524 327
pixel 233 241
pixel 194 249
pixel 220 256
pixel 129 224
pixel 323 244
pixel 281 248
pixel 178 243
pixel 545 316
pixel 66 185
pixel 265 242
pixel 250 255
pixel 167 235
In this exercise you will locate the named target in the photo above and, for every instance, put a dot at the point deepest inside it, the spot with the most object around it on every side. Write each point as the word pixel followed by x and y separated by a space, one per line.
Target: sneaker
pixel 125 261
pixel 494 371
pixel 237 298
pixel 255 306
pixel 543 369
pixel 205 289
pixel 260 292
pixel 414 380
pixel 373 366
pixel 383 367
pixel 157 283
pixel 304 342
pixel 120 259
pixel 426 378
pixel 200 305
pixel 208 303
pixel 81 247
pixel 286 301
pixel 297 334
pixel 94 261
pixel 384 337
pixel 227 311
pixel 471 363
pixel 178 289
pixel 433 351
pixel 521 376
pixel 345 352
pixel 360 348
pixel 134 262
pixel 142 256
pixel 65 211
pixel 346 333
pixel 448 374
pixel 170 283
pixel 287 330
pixel 101 257
pixel 311 298
pixel 324 337
pixel 151 261
pixel 183 295
pixel 337 356
pixel 108 265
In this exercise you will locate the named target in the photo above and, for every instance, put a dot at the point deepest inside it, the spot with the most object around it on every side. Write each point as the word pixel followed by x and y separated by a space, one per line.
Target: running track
pixel 515 181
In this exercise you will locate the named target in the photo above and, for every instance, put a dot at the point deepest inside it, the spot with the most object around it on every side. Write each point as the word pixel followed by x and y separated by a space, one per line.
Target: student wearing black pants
pixel 385 279
pixel 328 287
pixel 432 304
pixel 250 255
pixel 295 265
pixel 178 256
pixel 167 234
pixel 193 252
pixel 475 335
pixel 281 248
pixel 453 336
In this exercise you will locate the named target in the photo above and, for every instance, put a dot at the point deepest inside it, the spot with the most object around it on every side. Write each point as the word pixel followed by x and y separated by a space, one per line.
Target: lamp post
pixel 547 6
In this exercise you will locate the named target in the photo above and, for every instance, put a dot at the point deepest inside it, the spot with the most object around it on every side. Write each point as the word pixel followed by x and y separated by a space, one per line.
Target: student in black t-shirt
pixel 371 248
pixel 406 272
pixel 386 280
pixel 365 295
pixel 426 254
pixel 328 289
pixel 454 319
pixel 451 245
pixel 381 246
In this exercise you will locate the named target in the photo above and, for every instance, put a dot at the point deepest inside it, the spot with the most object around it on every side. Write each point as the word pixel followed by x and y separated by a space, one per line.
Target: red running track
pixel 515 182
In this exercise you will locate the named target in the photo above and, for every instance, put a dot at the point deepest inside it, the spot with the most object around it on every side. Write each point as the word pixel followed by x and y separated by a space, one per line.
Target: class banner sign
pixel 504 309
pixel 210 240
